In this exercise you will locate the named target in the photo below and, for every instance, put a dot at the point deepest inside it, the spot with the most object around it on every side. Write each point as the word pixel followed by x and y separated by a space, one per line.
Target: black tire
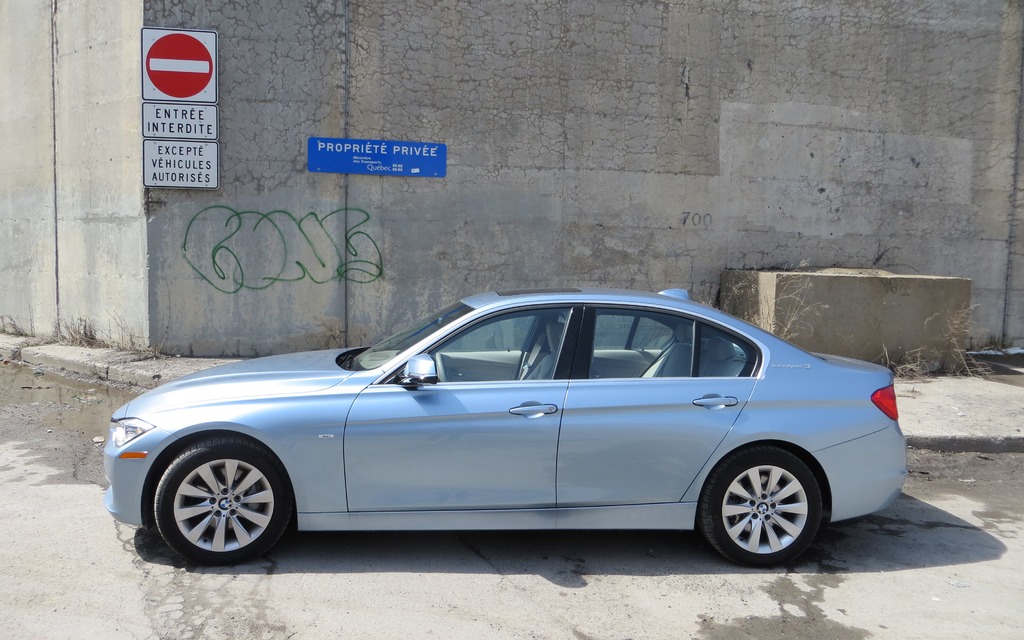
pixel 760 528
pixel 240 518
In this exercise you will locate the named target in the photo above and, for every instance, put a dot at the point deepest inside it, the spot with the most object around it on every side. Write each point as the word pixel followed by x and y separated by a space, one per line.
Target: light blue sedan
pixel 569 409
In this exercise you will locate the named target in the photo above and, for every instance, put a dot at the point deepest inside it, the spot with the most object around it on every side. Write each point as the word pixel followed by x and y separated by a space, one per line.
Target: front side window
pixel 522 345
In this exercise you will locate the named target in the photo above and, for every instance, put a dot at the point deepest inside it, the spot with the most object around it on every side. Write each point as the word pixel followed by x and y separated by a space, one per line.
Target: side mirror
pixel 418 371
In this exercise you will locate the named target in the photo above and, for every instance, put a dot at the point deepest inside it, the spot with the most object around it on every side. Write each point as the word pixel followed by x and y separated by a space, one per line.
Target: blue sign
pixel 378 157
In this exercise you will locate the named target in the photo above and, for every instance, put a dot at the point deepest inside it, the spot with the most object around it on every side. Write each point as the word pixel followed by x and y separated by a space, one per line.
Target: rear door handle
pixel 716 402
pixel 533 410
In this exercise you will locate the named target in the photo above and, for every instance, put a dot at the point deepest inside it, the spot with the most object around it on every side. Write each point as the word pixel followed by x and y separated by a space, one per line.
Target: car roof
pixel 677 298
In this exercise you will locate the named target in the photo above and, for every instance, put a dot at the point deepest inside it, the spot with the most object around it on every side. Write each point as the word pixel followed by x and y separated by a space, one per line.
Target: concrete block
pixel 868 314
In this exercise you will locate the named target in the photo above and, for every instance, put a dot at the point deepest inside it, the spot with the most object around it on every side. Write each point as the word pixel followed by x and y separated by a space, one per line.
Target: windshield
pixel 386 349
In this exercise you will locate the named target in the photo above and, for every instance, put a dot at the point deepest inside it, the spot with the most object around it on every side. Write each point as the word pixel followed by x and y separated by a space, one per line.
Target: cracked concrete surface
pixel 941 563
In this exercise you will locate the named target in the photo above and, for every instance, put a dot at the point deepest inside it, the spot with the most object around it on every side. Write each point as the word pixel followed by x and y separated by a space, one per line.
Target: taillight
pixel 885 400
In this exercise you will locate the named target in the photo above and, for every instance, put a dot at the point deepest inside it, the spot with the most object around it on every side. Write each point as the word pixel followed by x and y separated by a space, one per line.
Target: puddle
pixel 72 405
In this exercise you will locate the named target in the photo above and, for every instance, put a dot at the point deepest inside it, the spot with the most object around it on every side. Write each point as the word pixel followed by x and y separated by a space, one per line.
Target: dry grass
pixel 81 332
pixel 10 326
pixel 792 311
pixel 334 332
pixel 127 340
pixel 789 314
pixel 911 365
pixel 951 359
pixel 77 333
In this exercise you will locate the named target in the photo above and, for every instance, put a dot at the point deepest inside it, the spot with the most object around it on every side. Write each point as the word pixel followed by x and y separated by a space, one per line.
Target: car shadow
pixel 911 534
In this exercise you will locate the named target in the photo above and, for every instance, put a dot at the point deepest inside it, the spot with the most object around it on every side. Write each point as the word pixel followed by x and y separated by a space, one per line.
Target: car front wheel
pixel 760 506
pixel 223 501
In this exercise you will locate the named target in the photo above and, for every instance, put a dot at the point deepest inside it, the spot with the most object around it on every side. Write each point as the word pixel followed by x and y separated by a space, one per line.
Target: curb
pixel 964 444
pixel 109 372
pixel 108 365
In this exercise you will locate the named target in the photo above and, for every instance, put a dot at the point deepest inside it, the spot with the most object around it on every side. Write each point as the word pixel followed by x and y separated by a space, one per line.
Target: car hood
pixel 288 374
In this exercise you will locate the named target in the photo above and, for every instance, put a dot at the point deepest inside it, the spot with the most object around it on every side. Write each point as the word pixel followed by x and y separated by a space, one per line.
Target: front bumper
pixel 127 476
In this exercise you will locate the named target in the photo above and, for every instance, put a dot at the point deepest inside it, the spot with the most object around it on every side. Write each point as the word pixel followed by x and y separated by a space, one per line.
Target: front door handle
pixel 711 401
pixel 533 410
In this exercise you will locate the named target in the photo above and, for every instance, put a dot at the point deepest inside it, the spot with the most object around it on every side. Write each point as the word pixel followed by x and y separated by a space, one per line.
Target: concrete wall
pixel 101 225
pixel 650 144
pixel 28 295
pixel 637 144
pixel 72 226
pixel 252 268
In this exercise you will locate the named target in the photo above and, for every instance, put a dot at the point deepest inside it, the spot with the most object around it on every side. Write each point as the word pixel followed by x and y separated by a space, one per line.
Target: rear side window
pixel 724 355
pixel 641 344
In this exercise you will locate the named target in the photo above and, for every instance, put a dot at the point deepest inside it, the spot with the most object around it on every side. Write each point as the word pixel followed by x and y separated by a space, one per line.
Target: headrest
pixel 719 349
pixel 554 331
pixel 684 332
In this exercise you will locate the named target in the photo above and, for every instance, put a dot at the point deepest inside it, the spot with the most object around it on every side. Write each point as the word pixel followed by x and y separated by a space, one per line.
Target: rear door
pixel 640 434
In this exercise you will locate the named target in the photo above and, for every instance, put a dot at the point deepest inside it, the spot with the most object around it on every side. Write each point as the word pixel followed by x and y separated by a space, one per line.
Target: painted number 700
pixel 691 219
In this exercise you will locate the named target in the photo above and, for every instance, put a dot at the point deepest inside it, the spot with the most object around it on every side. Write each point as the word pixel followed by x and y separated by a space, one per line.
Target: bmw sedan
pixel 568 409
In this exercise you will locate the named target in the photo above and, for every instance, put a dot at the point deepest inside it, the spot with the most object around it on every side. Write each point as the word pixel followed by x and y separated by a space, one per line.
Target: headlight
pixel 126 430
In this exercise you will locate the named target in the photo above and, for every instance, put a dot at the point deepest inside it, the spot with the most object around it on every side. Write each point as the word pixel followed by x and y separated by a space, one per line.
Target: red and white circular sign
pixel 179 65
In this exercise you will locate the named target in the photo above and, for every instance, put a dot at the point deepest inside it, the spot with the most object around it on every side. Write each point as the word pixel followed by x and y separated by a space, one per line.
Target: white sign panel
pixel 181 164
pixel 179 65
pixel 182 121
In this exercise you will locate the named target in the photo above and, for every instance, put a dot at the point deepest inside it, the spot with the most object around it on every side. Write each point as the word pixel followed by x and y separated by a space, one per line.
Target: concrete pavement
pixel 937 413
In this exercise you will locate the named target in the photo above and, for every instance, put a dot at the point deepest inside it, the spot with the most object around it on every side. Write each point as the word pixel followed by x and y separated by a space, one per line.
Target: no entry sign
pixel 179 66
pixel 179 109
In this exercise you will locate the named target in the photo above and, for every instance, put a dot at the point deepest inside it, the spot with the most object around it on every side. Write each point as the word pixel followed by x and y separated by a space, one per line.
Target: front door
pixel 484 437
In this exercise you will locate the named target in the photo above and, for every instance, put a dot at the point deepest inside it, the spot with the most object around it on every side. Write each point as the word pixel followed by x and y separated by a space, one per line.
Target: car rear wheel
pixel 223 501
pixel 760 507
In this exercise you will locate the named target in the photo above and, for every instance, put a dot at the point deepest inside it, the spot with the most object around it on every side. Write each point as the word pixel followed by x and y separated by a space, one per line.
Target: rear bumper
pixel 867 474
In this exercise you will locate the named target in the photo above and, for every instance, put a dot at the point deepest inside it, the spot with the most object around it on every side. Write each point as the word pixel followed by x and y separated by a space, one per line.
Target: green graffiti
pixel 234 250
